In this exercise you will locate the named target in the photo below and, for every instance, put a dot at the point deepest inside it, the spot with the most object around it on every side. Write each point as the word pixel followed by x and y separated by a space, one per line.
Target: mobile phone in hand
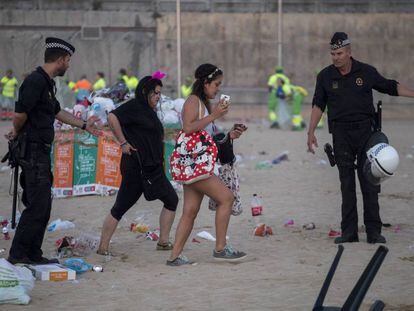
pixel 240 126
pixel 225 99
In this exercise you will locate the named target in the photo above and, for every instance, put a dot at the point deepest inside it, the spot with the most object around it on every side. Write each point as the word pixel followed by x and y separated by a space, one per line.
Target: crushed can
pixel 97 268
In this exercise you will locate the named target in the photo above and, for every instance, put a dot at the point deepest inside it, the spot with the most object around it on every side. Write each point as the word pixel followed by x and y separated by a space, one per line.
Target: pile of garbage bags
pixel 169 110
pixel 98 104
pixel 102 102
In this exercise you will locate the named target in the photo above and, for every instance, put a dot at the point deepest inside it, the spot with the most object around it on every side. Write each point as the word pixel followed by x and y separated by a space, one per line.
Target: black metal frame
pixel 355 298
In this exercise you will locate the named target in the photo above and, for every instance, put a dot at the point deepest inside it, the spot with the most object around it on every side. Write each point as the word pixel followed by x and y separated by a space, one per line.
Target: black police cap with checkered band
pixel 56 43
pixel 339 40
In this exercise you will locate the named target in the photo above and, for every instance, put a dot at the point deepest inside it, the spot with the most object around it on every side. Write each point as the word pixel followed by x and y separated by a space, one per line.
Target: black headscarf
pixel 145 86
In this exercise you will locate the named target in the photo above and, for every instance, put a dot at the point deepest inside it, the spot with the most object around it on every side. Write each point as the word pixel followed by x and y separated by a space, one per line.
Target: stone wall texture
pixel 243 44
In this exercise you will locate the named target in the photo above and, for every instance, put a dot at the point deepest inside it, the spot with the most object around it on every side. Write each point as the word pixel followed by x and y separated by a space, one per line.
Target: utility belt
pixel 38 146
pixel 353 125
pixel 20 147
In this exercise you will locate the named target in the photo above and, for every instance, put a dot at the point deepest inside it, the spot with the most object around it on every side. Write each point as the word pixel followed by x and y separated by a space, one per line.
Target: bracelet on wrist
pixel 123 144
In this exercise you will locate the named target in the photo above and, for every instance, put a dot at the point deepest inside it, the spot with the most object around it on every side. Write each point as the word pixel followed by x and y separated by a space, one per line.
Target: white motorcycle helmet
pixel 382 159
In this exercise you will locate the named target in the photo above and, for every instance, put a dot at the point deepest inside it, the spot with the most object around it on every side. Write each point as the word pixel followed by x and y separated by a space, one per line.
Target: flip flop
pixel 164 247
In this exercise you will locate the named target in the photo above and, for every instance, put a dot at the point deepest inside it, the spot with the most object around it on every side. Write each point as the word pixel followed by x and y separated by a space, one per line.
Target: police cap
pixel 339 40
pixel 56 43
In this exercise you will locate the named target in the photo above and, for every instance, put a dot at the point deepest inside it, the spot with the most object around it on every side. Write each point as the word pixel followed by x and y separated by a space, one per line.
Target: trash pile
pixel 98 104
pixel 262 229
pixel 80 246
pixel 140 225
pixel 169 110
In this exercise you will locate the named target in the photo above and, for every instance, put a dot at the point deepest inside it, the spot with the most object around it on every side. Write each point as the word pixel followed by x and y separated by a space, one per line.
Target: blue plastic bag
pixel 77 264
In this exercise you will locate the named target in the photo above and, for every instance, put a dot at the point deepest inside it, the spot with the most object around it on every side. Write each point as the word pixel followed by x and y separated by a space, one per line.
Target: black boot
pixel 23 260
pixel 375 238
pixel 346 239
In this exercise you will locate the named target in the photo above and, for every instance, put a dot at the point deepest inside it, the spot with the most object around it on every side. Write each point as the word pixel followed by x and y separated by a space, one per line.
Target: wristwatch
pixel 83 125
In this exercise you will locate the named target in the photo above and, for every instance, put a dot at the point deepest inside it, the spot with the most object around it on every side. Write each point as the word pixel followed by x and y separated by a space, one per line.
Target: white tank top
pixel 210 127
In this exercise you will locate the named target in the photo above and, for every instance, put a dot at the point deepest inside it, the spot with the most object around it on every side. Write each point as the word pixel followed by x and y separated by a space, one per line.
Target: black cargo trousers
pixel 36 180
pixel 349 141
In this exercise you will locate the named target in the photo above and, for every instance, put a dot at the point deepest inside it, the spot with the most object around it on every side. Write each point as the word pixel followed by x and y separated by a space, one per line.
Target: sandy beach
pixel 283 272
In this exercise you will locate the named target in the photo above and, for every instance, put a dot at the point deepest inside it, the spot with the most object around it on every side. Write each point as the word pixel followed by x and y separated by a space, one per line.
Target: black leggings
pixel 131 190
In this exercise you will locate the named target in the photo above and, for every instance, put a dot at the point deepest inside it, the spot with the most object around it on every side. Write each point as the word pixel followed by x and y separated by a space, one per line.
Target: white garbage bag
pixel 107 104
pixel 178 104
pixel 166 103
pixel 16 283
pixel 170 117
pixel 284 114
pixel 59 224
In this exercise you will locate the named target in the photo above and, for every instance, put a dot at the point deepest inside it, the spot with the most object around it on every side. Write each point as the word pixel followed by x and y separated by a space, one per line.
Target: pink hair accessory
pixel 158 75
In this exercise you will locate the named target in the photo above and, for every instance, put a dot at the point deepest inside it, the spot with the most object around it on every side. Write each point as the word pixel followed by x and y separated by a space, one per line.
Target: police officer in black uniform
pixel 345 89
pixel 35 113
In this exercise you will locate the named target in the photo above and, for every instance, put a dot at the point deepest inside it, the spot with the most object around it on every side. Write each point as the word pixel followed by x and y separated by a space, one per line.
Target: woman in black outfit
pixel 140 133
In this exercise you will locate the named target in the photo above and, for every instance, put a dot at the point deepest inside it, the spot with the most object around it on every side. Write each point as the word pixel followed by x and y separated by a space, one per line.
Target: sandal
pixel 164 247
pixel 105 253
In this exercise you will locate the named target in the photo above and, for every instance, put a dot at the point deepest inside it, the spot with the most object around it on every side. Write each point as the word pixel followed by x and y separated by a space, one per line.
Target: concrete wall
pixel 128 40
pixel 244 45
pixel 216 6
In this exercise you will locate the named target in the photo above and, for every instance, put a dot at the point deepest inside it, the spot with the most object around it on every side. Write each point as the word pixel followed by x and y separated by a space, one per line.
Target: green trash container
pixel 170 133
pixel 168 150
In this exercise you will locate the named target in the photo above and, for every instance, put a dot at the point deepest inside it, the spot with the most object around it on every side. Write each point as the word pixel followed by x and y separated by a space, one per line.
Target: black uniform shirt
pixel 37 100
pixel 349 97
pixel 143 130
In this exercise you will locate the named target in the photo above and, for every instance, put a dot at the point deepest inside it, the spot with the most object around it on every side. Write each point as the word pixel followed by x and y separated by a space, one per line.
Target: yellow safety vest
pixel 300 90
pixel 123 78
pixel 72 86
pixel 9 86
pixel 186 90
pixel 287 89
pixel 99 84
pixel 132 83
pixel 272 82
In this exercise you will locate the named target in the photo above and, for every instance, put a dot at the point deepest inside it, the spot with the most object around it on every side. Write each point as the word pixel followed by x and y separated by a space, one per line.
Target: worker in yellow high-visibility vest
pixel 72 86
pixel 299 93
pixel 100 82
pixel 123 77
pixel 273 101
pixel 132 81
pixel 8 87
pixel 187 87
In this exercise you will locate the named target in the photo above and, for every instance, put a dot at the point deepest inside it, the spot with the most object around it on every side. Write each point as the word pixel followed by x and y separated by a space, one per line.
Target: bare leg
pixel 108 230
pixel 166 221
pixel 217 190
pixel 192 202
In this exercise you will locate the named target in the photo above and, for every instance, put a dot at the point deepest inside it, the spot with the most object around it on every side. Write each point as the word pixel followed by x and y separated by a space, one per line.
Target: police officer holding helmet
pixel 35 113
pixel 345 88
